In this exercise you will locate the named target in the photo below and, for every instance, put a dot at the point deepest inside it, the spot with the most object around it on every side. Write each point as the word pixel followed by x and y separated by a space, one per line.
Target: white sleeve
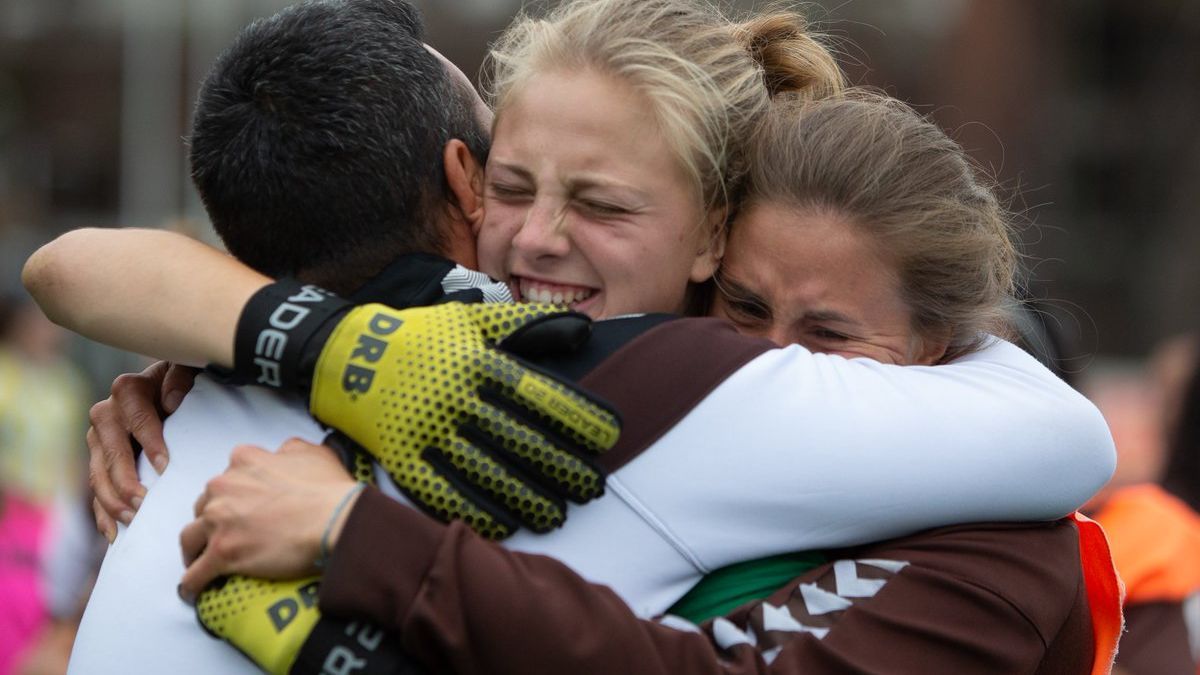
pixel 801 451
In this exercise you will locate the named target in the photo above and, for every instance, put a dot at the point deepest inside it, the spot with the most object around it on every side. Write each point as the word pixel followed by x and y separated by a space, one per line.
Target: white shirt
pixel 795 451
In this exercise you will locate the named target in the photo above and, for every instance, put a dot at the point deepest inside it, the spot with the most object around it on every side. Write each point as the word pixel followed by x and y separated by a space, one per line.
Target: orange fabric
pixel 1105 592
pixel 1155 543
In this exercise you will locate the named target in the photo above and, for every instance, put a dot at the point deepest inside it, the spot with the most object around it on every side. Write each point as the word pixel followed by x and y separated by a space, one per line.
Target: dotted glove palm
pixel 278 626
pixel 466 430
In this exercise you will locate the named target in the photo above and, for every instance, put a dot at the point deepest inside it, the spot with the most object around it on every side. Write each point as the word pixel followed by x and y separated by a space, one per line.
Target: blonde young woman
pixel 621 199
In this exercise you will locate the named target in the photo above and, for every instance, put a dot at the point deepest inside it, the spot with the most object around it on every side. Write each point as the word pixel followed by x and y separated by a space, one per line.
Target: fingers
pixel 176 384
pixel 559 468
pixel 111 472
pixel 583 420
pixel 440 497
pixel 105 525
pixel 136 398
pixel 202 570
pixel 193 539
pixel 299 446
pixel 244 456
pixel 505 485
pixel 499 321
pixel 204 554
pixel 201 502
pixel 549 335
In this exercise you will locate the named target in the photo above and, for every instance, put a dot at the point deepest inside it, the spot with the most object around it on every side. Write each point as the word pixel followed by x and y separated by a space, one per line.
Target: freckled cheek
pixel 495 244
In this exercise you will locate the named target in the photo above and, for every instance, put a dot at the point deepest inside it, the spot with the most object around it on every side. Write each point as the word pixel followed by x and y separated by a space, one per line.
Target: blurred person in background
pixel 23 612
pixel 1149 508
pixel 47 551
pixel 23 525
pixel 43 406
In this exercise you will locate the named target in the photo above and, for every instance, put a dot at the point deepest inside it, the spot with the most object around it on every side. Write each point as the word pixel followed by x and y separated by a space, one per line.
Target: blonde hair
pixel 899 178
pixel 708 79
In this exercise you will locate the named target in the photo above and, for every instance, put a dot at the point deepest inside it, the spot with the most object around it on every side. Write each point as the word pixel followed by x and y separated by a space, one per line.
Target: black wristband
pixel 338 645
pixel 281 332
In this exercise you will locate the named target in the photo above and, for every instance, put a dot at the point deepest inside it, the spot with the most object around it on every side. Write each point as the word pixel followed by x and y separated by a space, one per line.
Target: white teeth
pixel 532 292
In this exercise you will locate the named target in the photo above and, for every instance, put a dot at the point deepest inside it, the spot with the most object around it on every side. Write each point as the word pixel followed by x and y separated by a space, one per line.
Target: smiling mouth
pixel 558 294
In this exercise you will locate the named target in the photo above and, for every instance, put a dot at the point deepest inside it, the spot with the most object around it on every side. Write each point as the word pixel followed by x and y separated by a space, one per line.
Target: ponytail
pixel 793 62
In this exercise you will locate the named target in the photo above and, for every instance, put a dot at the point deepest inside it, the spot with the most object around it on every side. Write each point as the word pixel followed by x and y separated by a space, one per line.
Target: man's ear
pixel 463 211
pixel 464 175
pixel 711 247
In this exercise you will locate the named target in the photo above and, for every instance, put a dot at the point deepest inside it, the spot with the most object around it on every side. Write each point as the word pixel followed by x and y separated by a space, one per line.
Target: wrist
pixel 280 333
pixel 337 522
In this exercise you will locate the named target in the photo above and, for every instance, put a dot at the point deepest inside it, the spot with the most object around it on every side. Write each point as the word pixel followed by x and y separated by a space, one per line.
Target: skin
pixel 802 277
pixel 814 278
pixel 586 205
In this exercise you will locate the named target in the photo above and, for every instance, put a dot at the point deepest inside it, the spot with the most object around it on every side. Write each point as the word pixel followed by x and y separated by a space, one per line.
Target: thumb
pixel 551 335
pixel 531 328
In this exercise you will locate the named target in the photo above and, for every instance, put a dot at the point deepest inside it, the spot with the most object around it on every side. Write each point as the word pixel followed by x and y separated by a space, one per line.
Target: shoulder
pixel 659 376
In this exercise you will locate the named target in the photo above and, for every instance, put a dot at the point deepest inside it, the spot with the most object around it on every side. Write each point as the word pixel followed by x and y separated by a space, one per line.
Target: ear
pixel 930 350
pixel 464 209
pixel 464 175
pixel 712 246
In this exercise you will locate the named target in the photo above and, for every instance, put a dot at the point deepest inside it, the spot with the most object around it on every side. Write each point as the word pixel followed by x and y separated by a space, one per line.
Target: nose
pixel 544 232
pixel 780 334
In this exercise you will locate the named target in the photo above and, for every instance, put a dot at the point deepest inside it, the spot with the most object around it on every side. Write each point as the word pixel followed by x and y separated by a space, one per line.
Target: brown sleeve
pixel 975 599
pixel 969 601
pixel 1156 640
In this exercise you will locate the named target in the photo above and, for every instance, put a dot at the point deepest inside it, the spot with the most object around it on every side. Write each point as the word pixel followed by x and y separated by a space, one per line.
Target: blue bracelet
pixel 323 557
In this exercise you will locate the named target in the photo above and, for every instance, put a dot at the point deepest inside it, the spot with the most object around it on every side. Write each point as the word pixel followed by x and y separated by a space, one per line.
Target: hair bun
pixel 792 60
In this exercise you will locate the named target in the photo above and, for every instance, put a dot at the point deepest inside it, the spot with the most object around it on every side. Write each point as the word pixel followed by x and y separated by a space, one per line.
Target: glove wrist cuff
pixel 280 334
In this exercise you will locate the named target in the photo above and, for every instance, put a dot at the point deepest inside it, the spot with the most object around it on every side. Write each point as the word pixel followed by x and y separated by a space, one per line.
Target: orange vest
pixel 1105 592
pixel 1155 543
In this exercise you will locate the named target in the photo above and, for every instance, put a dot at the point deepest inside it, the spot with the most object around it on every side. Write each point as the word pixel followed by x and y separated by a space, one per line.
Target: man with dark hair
pixel 324 149
pixel 329 142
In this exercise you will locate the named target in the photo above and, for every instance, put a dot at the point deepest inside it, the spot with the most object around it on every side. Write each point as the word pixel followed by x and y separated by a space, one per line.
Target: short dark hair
pixel 317 140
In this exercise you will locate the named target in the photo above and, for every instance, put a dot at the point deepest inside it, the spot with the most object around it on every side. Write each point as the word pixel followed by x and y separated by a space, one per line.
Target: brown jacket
pixel 994 598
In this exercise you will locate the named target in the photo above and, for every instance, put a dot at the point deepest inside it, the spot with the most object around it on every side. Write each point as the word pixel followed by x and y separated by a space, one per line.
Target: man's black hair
pixel 317 141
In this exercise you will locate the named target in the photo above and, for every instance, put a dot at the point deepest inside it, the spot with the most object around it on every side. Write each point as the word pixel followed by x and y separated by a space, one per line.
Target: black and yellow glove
pixel 466 430
pixel 278 626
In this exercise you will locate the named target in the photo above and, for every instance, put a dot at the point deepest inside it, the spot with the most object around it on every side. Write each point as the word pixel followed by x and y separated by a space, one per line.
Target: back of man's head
pixel 317 141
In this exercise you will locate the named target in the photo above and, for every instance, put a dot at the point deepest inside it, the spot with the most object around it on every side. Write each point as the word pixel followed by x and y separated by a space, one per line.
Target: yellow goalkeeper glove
pixel 465 429
pixel 278 626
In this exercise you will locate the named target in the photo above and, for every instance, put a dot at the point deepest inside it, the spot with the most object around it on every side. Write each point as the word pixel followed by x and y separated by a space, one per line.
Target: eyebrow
pixel 829 315
pixel 585 181
pixel 582 182
pixel 522 172
pixel 734 290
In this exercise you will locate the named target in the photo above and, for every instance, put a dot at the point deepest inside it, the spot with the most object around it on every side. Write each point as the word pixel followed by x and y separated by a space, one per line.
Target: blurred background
pixel 1086 111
